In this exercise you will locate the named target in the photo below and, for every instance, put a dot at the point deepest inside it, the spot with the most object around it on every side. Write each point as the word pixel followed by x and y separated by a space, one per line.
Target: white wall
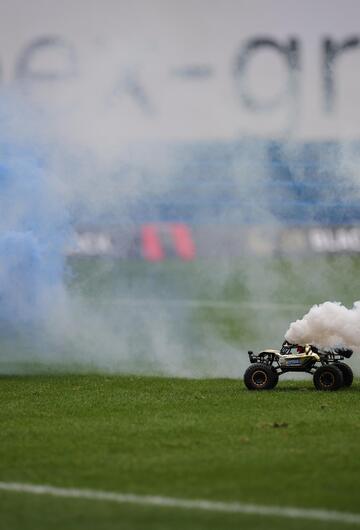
pixel 131 56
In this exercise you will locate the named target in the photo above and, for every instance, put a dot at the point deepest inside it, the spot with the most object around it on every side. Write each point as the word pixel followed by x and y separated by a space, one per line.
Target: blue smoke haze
pixel 33 229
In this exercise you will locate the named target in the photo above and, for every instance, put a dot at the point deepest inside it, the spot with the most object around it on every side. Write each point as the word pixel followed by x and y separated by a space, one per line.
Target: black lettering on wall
pixel 25 69
pixel 289 51
pixel 331 51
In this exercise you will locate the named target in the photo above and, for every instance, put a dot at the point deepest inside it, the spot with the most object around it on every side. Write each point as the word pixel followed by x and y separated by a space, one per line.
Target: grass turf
pixel 208 439
pixel 186 438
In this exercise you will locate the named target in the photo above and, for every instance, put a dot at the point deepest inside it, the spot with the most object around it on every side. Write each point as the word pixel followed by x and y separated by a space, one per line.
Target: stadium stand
pixel 255 182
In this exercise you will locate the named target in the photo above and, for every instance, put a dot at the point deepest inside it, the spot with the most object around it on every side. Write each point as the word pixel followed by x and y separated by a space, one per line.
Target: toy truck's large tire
pixel 347 373
pixel 260 376
pixel 328 377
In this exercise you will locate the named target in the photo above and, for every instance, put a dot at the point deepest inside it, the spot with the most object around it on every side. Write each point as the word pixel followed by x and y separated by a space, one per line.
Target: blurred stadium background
pixel 256 108
pixel 226 134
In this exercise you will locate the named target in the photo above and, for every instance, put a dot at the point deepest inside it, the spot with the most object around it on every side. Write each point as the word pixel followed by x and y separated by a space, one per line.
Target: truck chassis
pixel 326 367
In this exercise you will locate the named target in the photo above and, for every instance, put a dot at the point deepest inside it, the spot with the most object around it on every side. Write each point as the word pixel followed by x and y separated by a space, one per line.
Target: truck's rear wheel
pixel 260 376
pixel 347 373
pixel 328 377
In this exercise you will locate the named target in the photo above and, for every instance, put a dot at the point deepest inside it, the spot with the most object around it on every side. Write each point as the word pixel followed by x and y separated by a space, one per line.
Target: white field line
pixel 218 304
pixel 186 504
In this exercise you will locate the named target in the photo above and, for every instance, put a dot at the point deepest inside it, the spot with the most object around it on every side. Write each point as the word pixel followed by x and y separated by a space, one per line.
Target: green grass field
pixel 193 439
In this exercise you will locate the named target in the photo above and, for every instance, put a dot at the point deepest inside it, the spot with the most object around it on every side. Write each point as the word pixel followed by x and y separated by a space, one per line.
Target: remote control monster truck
pixel 326 367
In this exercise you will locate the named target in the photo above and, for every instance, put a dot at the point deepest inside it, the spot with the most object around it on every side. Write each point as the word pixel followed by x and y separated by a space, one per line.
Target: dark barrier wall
pixel 184 242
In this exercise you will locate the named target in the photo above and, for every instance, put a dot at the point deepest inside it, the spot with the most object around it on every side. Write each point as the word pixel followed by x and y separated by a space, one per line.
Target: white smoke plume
pixel 328 325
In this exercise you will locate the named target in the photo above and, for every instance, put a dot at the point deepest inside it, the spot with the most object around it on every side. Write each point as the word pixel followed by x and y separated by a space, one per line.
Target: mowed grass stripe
pixel 186 504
